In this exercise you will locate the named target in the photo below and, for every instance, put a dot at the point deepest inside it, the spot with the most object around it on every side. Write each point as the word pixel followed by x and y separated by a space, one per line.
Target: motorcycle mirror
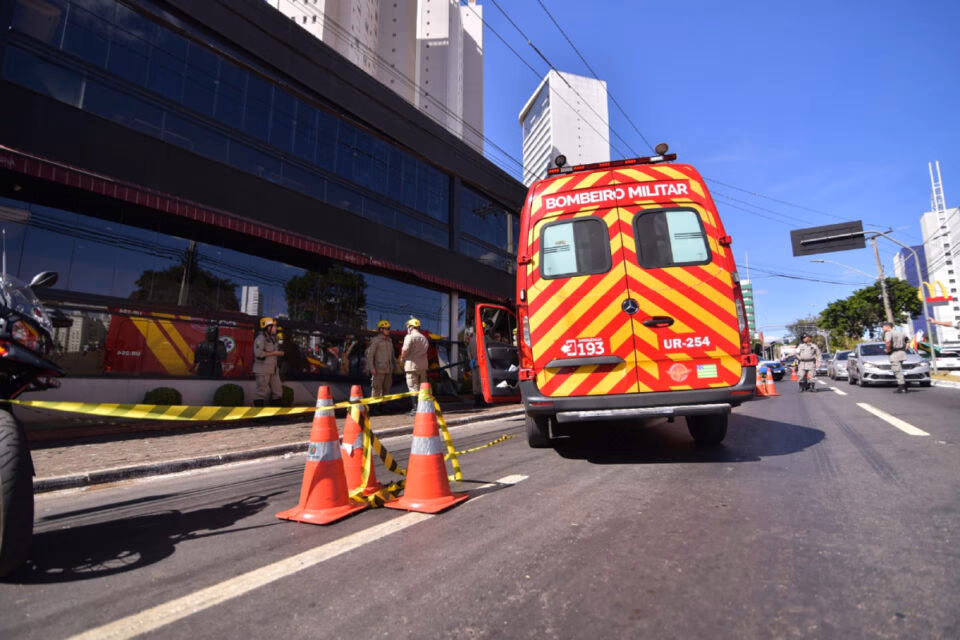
pixel 44 279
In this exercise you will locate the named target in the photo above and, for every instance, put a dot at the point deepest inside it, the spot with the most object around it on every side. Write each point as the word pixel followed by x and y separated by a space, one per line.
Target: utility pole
pixel 883 282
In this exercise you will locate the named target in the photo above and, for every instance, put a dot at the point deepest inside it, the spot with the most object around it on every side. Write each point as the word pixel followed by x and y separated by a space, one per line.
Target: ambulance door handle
pixel 658 322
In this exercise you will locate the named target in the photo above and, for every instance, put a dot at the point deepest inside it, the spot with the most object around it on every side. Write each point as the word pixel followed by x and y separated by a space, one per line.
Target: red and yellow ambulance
pixel 628 303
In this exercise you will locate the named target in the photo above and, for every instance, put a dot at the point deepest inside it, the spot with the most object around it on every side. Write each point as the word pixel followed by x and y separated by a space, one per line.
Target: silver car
pixel 868 363
pixel 837 367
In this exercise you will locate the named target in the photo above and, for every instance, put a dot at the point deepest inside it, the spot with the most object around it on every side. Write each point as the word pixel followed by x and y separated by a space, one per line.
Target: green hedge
pixel 228 395
pixel 163 396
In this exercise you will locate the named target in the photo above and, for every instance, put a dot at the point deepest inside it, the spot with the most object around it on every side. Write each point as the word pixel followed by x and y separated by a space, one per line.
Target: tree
pixel 336 297
pixel 863 312
pixel 204 289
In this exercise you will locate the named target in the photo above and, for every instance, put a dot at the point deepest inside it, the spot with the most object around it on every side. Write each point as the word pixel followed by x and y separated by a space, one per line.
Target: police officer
pixel 266 348
pixel 381 360
pixel 896 347
pixel 809 356
pixel 414 358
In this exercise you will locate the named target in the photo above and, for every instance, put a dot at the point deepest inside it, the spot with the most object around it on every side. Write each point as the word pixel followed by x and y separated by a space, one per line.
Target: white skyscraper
pixel 250 302
pixel 567 115
pixel 430 52
pixel 941 243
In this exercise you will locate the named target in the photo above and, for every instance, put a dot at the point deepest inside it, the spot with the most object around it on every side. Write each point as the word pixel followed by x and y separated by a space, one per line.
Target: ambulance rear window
pixel 670 238
pixel 574 248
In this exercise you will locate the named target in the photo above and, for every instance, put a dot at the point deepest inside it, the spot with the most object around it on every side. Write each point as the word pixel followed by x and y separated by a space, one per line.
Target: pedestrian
pixel 896 346
pixel 266 348
pixel 476 384
pixel 381 361
pixel 414 358
pixel 209 355
pixel 808 354
pixel 946 323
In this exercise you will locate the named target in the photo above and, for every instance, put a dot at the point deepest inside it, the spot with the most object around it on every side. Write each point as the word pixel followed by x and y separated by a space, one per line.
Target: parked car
pixel 790 361
pixel 837 367
pixel 821 369
pixel 868 364
pixel 774 366
pixel 947 360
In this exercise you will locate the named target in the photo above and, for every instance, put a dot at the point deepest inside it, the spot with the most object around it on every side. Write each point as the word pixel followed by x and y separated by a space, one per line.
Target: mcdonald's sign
pixel 936 287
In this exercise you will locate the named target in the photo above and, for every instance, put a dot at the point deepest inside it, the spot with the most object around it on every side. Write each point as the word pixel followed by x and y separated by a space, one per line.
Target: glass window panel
pixel 670 237
pixel 305 137
pixel 125 109
pixel 165 75
pixel 230 91
pixel 574 248
pixel 42 21
pixel 200 79
pixel 304 181
pixel 255 161
pixel 49 79
pixel 130 48
pixel 327 129
pixel 346 149
pixel 256 116
pixel 379 212
pixel 87 35
pixel 195 137
pixel 284 116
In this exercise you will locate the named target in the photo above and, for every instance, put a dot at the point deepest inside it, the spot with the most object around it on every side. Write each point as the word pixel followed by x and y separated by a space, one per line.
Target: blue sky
pixel 830 111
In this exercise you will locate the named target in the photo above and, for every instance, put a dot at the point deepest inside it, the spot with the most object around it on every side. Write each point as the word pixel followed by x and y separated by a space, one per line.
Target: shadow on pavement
pixel 115 546
pixel 748 439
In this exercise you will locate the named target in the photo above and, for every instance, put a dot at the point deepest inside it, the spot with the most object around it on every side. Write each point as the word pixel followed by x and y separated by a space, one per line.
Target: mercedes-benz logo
pixel 630 306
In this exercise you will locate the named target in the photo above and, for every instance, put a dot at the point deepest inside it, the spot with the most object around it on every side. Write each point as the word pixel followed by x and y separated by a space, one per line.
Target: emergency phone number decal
pixel 688 342
pixel 576 347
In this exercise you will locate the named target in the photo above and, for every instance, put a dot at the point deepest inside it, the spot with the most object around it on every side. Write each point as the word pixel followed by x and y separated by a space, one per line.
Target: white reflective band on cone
pixel 323 451
pixel 426 446
pixel 357 444
pixel 324 408
pixel 425 406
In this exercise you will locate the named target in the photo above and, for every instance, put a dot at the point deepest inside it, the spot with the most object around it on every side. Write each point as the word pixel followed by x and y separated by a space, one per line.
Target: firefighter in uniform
pixel 809 356
pixel 266 348
pixel 896 347
pixel 381 360
pixel 414 358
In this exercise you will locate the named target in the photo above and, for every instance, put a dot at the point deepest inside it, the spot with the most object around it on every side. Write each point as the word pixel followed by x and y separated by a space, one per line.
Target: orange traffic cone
pixel 761 388
pixel 323 494
pixel 352 448
pixel 770 390
pixel 793 374
pixel 427 489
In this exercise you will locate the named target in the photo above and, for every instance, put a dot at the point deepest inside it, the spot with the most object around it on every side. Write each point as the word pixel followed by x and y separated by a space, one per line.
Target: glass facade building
pixel 171 165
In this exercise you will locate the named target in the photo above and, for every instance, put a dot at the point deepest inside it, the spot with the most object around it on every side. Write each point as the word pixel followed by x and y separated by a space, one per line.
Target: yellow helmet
pixel 413 322
pixel 383 324
pixel 266 322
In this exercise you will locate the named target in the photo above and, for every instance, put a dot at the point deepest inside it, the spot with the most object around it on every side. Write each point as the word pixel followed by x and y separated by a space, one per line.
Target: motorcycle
pixel 26 339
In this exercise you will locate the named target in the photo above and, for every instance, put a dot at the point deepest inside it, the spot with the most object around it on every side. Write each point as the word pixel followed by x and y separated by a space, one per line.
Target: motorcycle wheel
pixel 16 495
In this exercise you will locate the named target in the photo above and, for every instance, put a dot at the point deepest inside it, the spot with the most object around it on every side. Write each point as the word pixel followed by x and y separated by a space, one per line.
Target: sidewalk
pixel 78 462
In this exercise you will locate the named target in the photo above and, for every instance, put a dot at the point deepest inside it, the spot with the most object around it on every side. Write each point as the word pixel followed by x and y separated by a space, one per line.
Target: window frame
pixel 591 219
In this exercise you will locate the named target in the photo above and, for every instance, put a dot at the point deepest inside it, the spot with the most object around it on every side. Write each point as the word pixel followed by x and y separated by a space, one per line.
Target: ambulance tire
pixel 708 430
pixel 538 431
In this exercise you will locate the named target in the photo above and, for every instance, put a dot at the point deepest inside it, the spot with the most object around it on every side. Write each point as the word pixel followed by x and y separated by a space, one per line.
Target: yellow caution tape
pixel 502 438
pixel 187 412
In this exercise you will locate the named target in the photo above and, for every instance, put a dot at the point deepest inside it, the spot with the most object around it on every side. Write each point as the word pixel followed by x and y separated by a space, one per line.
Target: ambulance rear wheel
pixel 708 430
pixel 538 431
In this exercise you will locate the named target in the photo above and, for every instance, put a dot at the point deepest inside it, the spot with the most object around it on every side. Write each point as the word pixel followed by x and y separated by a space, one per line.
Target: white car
pixel 868 363
pixel 948 360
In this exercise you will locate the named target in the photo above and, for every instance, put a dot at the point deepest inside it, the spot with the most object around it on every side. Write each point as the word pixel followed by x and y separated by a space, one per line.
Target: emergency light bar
pixel 611 164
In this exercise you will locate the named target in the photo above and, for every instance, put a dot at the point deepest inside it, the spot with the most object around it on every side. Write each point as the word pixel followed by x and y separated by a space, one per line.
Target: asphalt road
pixel 817 518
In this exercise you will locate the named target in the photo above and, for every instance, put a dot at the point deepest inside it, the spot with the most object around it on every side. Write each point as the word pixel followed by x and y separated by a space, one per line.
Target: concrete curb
pixel 950 384
pixel 118 474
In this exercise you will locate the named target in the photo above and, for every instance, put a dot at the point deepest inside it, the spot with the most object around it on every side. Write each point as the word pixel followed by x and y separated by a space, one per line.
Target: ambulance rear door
pixel 498 360
pixel 577 291
pixel 681 277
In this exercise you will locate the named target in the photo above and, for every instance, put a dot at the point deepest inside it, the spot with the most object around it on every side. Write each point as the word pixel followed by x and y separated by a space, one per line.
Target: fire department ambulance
pixel 628 304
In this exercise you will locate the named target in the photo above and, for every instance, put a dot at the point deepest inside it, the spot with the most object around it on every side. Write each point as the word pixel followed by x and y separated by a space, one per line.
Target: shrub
pixel 228 395
pixel 163 396
pixel 287 399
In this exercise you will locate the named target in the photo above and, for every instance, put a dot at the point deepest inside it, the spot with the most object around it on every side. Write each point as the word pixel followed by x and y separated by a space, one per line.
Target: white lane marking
pixel 169 612
pixel 837 391
pixel 906 427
